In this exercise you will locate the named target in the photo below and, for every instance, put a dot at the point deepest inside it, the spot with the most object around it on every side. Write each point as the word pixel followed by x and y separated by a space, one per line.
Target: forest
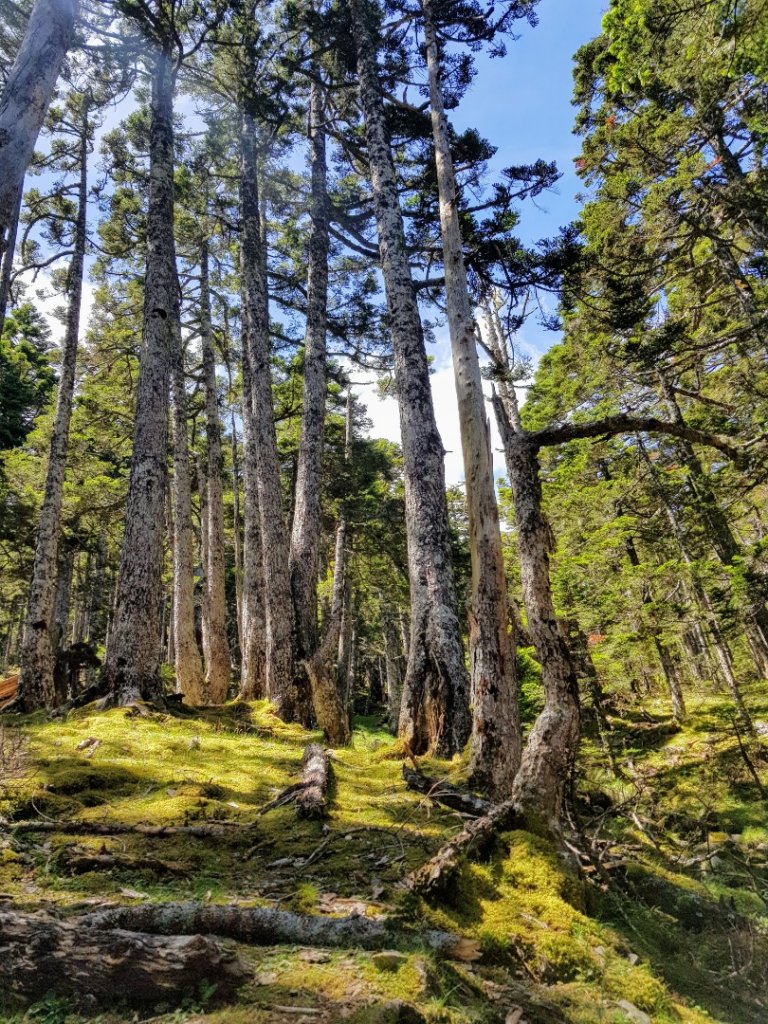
pixel 293 727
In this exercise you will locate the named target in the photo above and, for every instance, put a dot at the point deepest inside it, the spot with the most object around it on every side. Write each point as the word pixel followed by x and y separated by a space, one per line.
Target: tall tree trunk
pixel 65 570
pixel 132 660
pixel 305 536
pixel 283 687
pixel 550 751
pixel 37 652
pixel 189 667
pixel 253 633
pixel 217 659
pixel 27 95
pixel 7 257
pixel 435 713
pixel 495 744
pixel 236 517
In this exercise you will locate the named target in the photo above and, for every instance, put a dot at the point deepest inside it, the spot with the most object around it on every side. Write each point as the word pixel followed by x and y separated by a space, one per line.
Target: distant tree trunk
pixel 236 517
pixel 725 545
pixel 550 751
pixel 500 354
pixel 36 687
pixel 65 569
pixel 27 95
pixel 253 632
pixel 722 652
pixel 665 658
pixel 392 664
pixel 344 657
pixel 435 712
pixel 189 667
pixel 305 536
pixel 281 669
pixel 132 660
pixel 7 257
pixel 201 608
pixel 496 742
pixel 217 660
pixel 330 711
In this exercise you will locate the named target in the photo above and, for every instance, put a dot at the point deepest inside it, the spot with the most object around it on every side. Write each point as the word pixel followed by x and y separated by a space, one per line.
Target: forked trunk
pixel 435 711
pixel 283 681
pixel 495 743
pixel 550 752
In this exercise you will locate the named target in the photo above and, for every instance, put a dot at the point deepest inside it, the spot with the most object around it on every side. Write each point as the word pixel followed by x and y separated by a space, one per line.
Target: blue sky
pixel 521 103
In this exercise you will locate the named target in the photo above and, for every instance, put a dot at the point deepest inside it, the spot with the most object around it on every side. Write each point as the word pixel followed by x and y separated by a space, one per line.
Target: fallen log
pixel 40 954
pixel 310 793
pixel 267 926
pixel 78 861
pixel 434 876
pixel 311 799
pixel 442 792
pixel 105 828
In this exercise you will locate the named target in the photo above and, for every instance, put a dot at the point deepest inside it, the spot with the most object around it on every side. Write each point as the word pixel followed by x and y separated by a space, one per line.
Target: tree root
pixel 442 792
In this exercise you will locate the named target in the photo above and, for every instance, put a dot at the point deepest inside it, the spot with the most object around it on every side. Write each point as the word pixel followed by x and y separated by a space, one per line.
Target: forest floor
pixel 668 923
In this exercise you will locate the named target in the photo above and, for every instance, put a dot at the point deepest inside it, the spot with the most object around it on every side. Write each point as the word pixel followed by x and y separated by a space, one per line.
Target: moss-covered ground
pixel 666 925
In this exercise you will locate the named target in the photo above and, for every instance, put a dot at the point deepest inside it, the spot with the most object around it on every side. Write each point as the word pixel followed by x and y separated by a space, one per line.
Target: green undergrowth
pixel 648 940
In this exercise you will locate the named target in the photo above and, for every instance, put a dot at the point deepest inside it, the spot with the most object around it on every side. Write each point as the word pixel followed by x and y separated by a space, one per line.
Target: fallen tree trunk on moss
pixel 105 828
pixel 78 861
pixel 40 955
pixel 310 793
pixel 311 799
pixel 266 926
pixel 434 876
pixel 442 792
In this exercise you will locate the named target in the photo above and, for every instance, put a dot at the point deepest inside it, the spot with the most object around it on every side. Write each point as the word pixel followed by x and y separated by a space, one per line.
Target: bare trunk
pixel 665 658
pixel 236 517
pixel 132 661
pixel 189 667
pixel 217 660
pixel 283 683
pixel 435 713
pixel 330 711
pixel 392 663
pixel 38 654
pixel 253 634
pixel 550 752
pixel 27 95
pixel 722 652
pixel 305 537
pixel 495 744
pixel 7 257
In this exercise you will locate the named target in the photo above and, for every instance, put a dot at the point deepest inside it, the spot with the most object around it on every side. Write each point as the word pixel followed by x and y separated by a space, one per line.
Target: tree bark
pixel 7 256
pixel 38 652
pixel 312 798
pixel 305 536
pixel 496 741
pixel 435 712
pixel 190 680
pixel 217 660
pixel 550 751
pixel 392 662
pixel 41 955
pixel 27 95
pixel 132 660
pixel 266 926
pixel 283 683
